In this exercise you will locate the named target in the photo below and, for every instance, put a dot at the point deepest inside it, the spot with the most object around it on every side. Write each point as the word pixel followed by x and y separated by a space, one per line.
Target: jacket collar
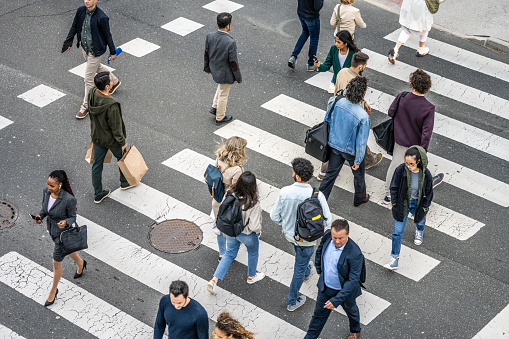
pixel 57 201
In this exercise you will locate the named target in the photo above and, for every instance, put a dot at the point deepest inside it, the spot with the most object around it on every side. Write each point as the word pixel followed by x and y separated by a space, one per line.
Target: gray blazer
pixel 64 208
pixel 221 58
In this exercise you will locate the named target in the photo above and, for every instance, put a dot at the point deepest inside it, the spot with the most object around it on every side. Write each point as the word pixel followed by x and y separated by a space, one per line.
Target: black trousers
pixel 336 162
pixel 321 314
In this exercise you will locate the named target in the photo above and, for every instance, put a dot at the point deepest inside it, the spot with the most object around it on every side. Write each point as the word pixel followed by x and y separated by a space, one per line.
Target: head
pixel 344 38
pixel 420 81
pixel 179 293
pixel 339 231
pixel 58 180
pixel 302 170
pixel 246 190
pixel 360 61
pixel 103 81
pixel 227 327
pixel 233 151
pixel 90 4
pixel 224 21
pixel 347 2
pixel 413 159
pixel 356 89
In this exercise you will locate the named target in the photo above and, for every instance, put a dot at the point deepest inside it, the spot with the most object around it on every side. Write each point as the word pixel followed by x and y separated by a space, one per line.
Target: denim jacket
pixel 349 129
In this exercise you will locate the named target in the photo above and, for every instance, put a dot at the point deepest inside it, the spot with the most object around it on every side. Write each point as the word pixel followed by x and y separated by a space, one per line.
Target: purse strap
pixel 397 104
pixel 339 18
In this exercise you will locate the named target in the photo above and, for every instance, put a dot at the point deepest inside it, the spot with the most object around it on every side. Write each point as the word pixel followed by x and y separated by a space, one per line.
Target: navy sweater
pixel 309 9
pixel 100 28
pixel 190 322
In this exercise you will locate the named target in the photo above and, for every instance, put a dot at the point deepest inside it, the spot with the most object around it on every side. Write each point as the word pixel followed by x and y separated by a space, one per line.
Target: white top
pixel 51 201
pixel 342 58
pixel 415 15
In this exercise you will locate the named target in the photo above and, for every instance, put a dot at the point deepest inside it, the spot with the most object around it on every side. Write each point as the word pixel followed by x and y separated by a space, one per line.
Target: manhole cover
pixel 8 214
pixel 175 236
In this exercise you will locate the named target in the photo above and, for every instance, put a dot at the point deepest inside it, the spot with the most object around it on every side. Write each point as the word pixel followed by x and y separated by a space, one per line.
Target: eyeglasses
pixel 410 165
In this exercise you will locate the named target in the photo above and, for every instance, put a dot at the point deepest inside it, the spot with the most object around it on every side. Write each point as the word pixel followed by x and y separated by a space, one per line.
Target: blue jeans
pixel 311 29
pixel 221 243
pixel 233 244
pixel 301 270
pixel 399 229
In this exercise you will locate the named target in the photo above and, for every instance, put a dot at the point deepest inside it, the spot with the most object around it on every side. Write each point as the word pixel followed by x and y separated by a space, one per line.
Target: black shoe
pixel 226 119
pixel 49 303
pixel 366 199
pixel 212 110
pixel 106 193
pixel 437 179
pixel 78 275
pixel 126 186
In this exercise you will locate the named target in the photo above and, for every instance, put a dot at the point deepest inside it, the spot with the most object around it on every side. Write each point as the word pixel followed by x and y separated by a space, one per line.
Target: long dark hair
pixel 347 39
pixel 61 177
pixel 246 190
pixel 414 152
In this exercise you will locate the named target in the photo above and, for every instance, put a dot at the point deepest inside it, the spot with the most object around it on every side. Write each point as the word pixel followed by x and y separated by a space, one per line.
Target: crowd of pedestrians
pixel 338 260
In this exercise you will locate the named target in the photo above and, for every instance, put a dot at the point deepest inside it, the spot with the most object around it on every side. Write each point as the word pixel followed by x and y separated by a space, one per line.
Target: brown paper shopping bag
pixel 133 166
pixel 90 155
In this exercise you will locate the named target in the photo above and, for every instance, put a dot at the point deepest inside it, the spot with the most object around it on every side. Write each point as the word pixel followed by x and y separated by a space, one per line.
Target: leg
pixel 101 68
pixel 222 100
pixel 398 157
pixel 403 36
pixel 352 311
pixel 118 153
pixel 252 244
pixel 397 236
pixel 320 316
pixel 302 256
pixel 57 274
pixel 76 257
pixel 221 243
pixel 359 182
pixel 93 64
pixel 323 168
pixel 314 36
pixel 216 97
pixel 336 161
pixel 422 38
pixel 230 255
pixel 97 169
pixel 302 38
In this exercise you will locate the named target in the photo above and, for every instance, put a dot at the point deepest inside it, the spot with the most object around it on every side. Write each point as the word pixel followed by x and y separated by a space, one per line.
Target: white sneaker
pixel 393 54
pixel 422 51
pixel 331 88
pixel 216 230
pixel 211 287
pixel 259 276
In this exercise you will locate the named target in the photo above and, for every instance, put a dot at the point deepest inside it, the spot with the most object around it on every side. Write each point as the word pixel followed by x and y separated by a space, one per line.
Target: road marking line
pixel 498 327
pixel 4 122
pixel 7 333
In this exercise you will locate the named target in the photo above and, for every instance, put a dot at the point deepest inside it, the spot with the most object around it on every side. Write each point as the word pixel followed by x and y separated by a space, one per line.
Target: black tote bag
pixel 317 137
pixel 384 132
pixel 74 239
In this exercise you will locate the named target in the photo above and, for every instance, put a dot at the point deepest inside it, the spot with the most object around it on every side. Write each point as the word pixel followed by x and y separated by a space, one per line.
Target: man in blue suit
pixel 338 261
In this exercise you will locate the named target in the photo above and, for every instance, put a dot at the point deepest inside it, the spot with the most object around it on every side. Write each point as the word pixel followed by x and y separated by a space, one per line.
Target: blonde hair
pixel 233 151
pixel 347 2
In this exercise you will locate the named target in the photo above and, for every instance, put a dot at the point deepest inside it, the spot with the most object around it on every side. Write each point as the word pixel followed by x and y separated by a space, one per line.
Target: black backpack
pixel 229 217
pixel 309 224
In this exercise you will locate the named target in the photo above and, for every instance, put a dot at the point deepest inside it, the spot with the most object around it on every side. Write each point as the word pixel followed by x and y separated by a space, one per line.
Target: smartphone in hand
pixel 36 218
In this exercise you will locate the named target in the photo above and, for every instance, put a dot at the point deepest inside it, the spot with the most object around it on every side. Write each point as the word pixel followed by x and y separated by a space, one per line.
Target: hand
pixel 62 224
pixel 355 167
pixel 329 305
pixel 237 82
pixel 317 64
pixel 207 72
pixel 124 147
pixel 38 219
pixel 367 108
pixel 68 49
pixel 113 57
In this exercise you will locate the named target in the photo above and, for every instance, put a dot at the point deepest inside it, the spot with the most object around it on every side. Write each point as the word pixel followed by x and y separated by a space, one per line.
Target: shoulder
pixel 165 300
pixel 352 52
pixel 198 308
pixel 353 247
pixel 100 13
pixel 333 49
pixel 81 9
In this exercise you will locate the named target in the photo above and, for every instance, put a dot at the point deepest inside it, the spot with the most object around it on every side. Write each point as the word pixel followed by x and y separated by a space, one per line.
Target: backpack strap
pixel 315 193
pixel 219 167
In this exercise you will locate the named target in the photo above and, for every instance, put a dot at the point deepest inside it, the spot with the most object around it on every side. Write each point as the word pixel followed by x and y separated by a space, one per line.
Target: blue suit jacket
pixel 349 269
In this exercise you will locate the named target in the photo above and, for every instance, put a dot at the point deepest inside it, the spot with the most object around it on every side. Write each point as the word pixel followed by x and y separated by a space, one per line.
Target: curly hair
pixel 347 2
pixel 420 81
pixel 356 89
pixel 246 190
pixel 230 326
pixel 233 151
pixel 303 168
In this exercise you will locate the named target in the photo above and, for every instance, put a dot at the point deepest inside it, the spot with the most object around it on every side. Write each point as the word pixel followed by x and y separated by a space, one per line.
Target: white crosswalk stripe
pixel 439 217
pixel 7 333
pixel 498 327
pixel 375 247
pixel 4 122
pixel 457 175
pixel 157 273
pixel 73 303
pixel 459 56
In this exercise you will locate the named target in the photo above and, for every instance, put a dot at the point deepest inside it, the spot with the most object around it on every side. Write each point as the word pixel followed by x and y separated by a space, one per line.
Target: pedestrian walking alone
pixel 339 56
pixel 221 60
pixel 345 16
pixel 227 327
pixel 246 193
pixel 92 27
pixel 309 17
pixel 414 117
pixel 411 192
pixel 59 207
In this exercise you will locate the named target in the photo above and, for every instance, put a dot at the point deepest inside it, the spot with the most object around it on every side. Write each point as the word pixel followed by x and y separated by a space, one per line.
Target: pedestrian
pixel 107 131
pixel 339 56
pixel 227 327
pixel 246 192
pixel 411 192
pixel 59 206
pixel 284 213
pixel 185 317
pixel 221 60
pixel 308 12
pixel 92 26
pixel 413 124
pixel 339 262
pixel 415 19
pixel 359 64
pixel 345 16
pixel 230 157
pixel 348 137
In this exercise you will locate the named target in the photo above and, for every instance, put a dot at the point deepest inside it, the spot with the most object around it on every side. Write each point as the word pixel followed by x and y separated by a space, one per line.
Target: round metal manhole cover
pixel 8 214
pixel 175 236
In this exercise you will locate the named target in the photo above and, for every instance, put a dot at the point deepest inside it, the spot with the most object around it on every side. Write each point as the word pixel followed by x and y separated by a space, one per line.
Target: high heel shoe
pixel 78 275
pixel 49 303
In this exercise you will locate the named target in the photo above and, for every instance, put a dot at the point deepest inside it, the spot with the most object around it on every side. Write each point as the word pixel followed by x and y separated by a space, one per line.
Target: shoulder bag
pixel 384 132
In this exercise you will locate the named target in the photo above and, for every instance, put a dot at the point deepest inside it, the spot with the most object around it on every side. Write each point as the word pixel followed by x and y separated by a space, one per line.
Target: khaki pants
pixel 93 67
pixel 398 157
pixel 221 99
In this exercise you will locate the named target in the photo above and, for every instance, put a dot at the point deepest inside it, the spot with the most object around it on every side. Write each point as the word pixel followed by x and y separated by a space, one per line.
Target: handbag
pixel 384 132
pixel 317 137
pixel 74 239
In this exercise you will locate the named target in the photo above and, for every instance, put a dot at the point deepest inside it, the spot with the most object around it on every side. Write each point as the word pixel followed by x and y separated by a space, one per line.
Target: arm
pixel 70 209
pixel 202 326
pixel 394 187
pixel 74 27
pixel 334 17
pixel 428 191
pixel 318 4
pixel 318 255
pixel 427 129
pixel 358 20
pixel 394 104
pixel 275 213
pixel 206 59
pixel 160 324
pixel 234 62
pixel 254 216
pixel 105 29
pixel 116 125
pixel 327 64
pixel 362 140
pixel 326 210
pixel 352 283
pixel 42 213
